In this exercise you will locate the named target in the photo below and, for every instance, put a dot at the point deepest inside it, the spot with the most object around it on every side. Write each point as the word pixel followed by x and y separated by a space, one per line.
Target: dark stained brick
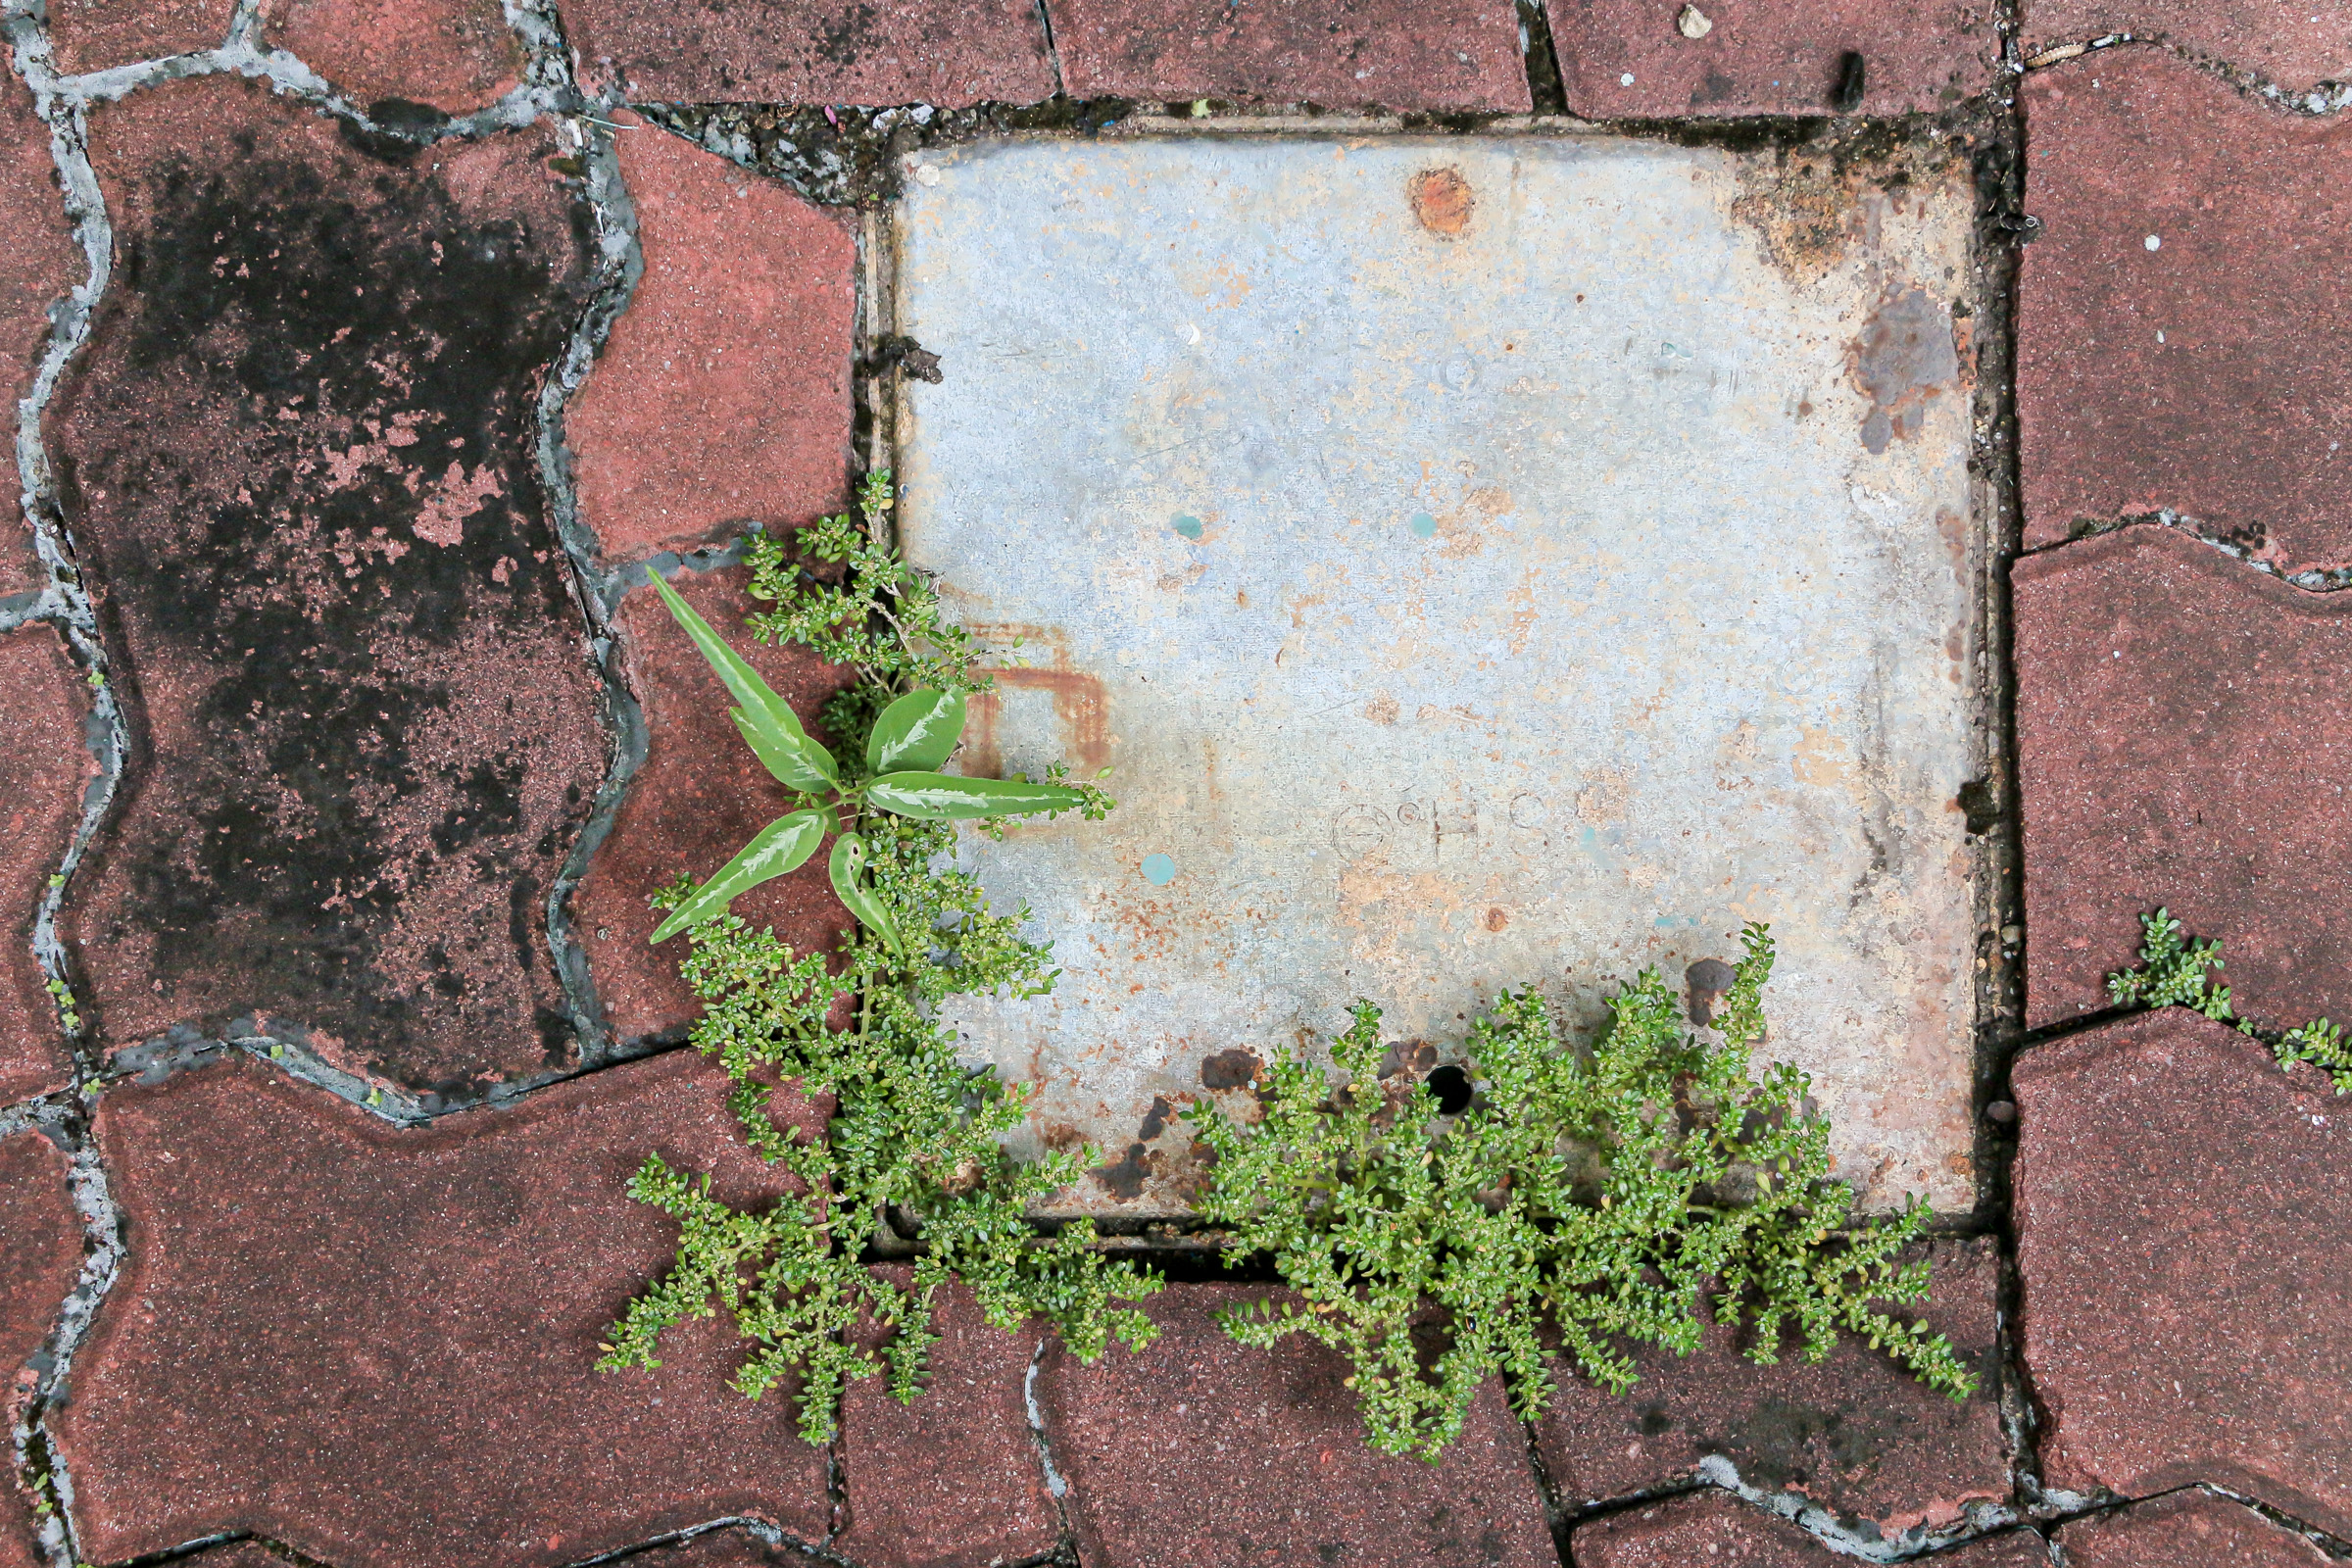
pixel 2294 43
pixel 2170 754
pixel 697 797
pixel 2187 1529
pixel 953 1477
pixel 298 452
pixel 38 261
pixel 1711 1529
pixel 951 53
pixel 1276 1440
pixel 452 55
pixel 93 35
pixel 722 394
pixel 37 1268
pixel 2239 415
pixel 2184 1225
pixel 375 1346
pixel 1855 1433
pixel 43 770
pixel 1771 59
pixel 1396 54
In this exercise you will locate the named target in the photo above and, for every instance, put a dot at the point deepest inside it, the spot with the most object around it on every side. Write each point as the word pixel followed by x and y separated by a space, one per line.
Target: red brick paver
pixel 955 1475
pixel 2184 1229
pixel 722 394
pixel 1395 54
pixel 2172 753
pixel 2182 320
pixel 38 261
pixel 2294 43
pixel 1710 1530
pixel 949 53
pixel 375 1344
pixel 453 55
pixel 363 719
pixel 93 35
pixel 44 768
pixel 1754 57
pixel 1148 1441
pixel 2187 1529
pixel 1855 1433
pixel 722 1548
pixel 37 1267
pixel 697 797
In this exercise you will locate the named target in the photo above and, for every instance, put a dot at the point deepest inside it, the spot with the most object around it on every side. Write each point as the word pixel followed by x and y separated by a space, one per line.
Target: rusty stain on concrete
pixel 1441 200
pixel 1546 619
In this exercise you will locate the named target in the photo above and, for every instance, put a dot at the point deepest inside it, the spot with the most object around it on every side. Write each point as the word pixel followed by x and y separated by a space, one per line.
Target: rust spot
pixel 1125 1176
pixel 1156 1119
pixel 1061 1135
pixel 1079 708
pixel 1497 919
pixel 1230 1068
pixel 1441 200
pixel 1416 1057
pixel 1804 212
pixel 1903 358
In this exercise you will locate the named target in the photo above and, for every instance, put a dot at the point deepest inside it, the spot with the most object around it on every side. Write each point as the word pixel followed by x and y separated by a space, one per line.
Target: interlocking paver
pixel 39 261
pixel 375 1344
pixel 948 53
pixel 1395 54
pixel 2184 1225
pixel 43 770
pixel 1855 1433
pixel 1753 57
pixel 37 1267
pixel 1276 1440
pixel 2181 320
pixel 393 55
pixel 723 1548
pixel 2187 1529
pixel 365 725
pixel 93 35
pixel 696 799
pixel 2170 754
pixel 953 1477
pixel 1709 1527
pixel 722 394
pixel 2293 44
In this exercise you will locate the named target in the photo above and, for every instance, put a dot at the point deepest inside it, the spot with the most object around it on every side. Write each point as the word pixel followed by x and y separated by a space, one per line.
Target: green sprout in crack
pixel 1604 1197
pixel 2176 970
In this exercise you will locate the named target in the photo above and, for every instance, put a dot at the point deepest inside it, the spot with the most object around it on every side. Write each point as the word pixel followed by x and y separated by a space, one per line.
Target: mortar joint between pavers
pixel 2318 101
pixel 1540 58
pixel 2230 542
pixel 760 1530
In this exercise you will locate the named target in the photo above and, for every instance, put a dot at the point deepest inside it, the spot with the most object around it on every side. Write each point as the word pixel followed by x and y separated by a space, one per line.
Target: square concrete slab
pixel 1483 561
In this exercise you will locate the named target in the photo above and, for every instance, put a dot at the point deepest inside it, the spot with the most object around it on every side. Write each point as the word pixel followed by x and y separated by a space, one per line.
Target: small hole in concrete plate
pixel 1451 1086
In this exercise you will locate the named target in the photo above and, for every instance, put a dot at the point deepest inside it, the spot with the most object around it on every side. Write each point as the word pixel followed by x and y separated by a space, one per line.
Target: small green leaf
pixel 919 730
pixel 742 681
pixel 795 759
pixel 776 849
pixel 848 866
pixel 941 798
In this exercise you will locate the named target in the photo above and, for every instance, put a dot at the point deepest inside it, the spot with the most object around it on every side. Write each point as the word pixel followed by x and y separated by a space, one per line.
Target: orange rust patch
pixel 1441 200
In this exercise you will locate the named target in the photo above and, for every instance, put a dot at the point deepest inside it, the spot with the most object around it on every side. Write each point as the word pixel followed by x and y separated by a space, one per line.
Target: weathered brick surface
pixel 2294 43
pixel 2184 1222
pixel 722 395
pixel 1394 54
pixel 453 54
pixel 43 770
pixel 954 1476
pixel 949 53
pixel 93 35
pixel 2171 753
pixel 2202 375
pixel 376 1345
pixel 1855 1433
pixel 697 797
pixel 1633 58
pixel 1712 1529
pixel 1275 1439
pixel 2187 1529
pixel 39 1263
pixel 724 1549
pixel 38 261
pixel 364 727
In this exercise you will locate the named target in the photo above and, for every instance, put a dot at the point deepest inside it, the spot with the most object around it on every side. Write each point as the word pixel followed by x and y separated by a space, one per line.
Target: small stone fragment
pixel 1692 23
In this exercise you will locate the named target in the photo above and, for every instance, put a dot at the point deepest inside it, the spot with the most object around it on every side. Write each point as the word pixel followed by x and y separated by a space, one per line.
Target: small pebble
pixel 1693 23
pixel 2001 1111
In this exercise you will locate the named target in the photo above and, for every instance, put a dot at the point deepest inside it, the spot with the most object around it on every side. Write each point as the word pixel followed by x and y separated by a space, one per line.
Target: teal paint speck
pixel 1186 524
pixel 1424 526
pixel 1159 871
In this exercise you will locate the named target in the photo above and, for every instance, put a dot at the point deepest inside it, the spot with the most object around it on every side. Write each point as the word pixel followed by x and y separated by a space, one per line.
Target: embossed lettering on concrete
pixel 1483 561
